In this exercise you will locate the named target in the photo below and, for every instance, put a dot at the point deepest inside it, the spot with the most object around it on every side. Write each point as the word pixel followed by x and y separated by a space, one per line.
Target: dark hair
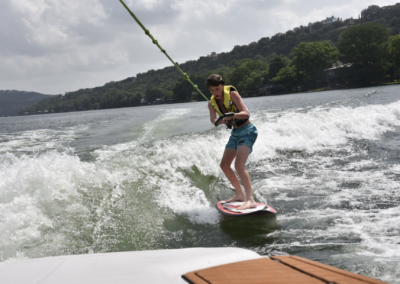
pixel 215 80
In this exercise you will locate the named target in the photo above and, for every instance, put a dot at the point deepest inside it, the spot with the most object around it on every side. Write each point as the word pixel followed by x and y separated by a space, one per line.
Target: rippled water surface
pixel 148 178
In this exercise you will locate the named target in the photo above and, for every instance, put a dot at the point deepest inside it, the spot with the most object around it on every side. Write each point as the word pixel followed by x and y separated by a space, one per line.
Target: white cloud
pixel 55 22
pixel 145 4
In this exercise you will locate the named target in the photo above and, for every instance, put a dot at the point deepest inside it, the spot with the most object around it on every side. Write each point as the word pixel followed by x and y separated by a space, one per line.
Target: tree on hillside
pixel 241 70
pixel 395 25
pixel 134 99
pixel 311 59
pixel 184 91
pixel 391 12
pixel 289 77
pixel 394 52
pixel 152 94
pixel 277 63
pixel 249 74
pixel 253 81
pixel 371 13
pixel 364 47
pixel 395 22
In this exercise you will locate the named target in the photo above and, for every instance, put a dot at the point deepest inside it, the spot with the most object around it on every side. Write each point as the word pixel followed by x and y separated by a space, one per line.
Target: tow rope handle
pixel 228 114
pixel 185 76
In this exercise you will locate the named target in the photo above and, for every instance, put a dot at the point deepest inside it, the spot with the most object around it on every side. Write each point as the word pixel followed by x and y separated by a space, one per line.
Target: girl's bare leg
pixel 242 154
pixel 227 158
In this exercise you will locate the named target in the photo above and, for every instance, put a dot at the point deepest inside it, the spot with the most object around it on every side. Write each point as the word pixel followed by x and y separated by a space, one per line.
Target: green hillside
pixel 11 101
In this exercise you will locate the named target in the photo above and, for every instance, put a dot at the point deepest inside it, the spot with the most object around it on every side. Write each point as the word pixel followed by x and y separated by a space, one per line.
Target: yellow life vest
pixel 228 103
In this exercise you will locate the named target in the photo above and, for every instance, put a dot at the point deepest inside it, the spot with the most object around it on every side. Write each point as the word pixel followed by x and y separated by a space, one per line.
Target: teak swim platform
pixel 276 270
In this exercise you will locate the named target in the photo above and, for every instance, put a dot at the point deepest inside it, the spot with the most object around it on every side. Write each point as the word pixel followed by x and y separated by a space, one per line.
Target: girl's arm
pixel 213 116
pixel 237 99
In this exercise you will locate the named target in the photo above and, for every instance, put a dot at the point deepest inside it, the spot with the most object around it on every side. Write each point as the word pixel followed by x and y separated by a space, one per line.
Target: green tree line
pixel 368 47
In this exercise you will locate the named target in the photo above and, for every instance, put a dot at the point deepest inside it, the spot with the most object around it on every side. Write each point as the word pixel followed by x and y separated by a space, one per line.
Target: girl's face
pixel 217 91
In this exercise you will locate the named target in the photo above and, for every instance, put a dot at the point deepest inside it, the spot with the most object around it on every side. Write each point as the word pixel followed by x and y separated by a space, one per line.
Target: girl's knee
pixel 240 168
pixel 224 166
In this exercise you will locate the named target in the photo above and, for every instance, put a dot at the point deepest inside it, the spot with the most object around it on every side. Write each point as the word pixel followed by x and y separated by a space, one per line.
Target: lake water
pixel 148 178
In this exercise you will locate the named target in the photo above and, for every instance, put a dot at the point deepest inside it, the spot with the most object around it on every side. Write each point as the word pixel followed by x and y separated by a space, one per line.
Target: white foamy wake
pixel 163 164
pixel 161 123
pixel 37 140
pixel 320 129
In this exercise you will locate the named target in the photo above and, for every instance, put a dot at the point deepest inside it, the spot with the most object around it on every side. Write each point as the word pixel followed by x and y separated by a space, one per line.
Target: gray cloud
pixel 59 46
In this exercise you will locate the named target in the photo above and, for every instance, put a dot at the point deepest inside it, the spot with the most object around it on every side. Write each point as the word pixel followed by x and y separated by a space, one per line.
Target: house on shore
pixel 333 78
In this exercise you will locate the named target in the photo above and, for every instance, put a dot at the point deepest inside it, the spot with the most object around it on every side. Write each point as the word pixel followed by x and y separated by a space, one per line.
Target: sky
pixel 54 47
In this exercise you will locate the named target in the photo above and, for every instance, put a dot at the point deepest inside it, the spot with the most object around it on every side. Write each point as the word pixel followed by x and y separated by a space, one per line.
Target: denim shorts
pixel 245 135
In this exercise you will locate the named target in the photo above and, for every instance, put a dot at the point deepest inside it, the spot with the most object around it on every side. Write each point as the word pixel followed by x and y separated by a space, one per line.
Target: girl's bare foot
pixel 247 205
pixel 237 197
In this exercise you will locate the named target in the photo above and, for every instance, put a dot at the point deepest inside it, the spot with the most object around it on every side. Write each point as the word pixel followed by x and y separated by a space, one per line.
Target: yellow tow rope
pixel 166 54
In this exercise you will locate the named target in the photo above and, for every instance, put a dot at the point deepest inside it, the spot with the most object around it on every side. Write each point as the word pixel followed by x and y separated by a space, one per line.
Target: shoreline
pixel 310 91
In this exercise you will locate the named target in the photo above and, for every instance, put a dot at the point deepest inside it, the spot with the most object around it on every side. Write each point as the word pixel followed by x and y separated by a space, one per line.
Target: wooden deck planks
pixel 277 270
pixel 262 270
pixel 326 272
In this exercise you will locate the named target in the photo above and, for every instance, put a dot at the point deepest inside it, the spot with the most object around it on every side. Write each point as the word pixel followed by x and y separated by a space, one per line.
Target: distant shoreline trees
pixel 365 48
pixel 394 56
